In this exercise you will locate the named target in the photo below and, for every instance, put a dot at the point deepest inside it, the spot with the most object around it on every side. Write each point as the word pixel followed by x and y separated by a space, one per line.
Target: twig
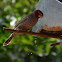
pixel 58 43
pixel 32 33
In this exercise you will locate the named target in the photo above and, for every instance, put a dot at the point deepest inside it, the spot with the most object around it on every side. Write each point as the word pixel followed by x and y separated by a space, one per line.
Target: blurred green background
pixel 23 48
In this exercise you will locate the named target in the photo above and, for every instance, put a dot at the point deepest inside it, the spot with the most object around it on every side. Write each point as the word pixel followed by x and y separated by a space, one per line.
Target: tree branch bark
pixel 32 33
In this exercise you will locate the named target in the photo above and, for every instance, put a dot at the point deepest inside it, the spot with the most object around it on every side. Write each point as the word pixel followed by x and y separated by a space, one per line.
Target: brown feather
pixel 24 24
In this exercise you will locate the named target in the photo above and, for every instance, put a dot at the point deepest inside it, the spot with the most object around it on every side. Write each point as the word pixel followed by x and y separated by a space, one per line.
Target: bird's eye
pixel 60 1
pixel 39 13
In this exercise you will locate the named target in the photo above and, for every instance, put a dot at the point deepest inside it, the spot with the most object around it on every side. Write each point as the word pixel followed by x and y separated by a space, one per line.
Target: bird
pixel 26 23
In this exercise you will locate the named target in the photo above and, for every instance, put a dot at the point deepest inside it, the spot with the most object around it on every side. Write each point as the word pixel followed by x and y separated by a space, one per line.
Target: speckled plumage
pixel 25 24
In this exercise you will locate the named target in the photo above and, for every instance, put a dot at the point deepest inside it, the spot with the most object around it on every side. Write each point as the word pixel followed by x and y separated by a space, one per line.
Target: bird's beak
pixel 40 15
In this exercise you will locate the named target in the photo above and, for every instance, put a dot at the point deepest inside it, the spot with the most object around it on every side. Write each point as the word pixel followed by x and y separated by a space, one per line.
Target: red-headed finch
pixel 25 24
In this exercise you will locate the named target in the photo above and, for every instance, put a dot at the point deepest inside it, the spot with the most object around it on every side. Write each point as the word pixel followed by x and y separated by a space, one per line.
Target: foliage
pixel 23 48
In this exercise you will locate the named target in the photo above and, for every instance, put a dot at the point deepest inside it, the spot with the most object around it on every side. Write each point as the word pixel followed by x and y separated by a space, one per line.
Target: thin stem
pixel 58 43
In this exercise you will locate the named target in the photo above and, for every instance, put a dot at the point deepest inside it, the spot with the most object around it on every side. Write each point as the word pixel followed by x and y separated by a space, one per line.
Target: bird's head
pixel 38 14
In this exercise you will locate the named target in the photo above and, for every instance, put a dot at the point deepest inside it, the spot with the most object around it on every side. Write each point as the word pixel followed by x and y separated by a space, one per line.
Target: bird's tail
pixel 9 39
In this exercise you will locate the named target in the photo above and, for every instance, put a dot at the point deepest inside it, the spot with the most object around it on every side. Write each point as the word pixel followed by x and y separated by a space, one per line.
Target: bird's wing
pixel 21 21
pixel 25 19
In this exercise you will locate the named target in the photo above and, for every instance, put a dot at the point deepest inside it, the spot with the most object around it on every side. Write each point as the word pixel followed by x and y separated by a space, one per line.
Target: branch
pixel 58 43
pixel 32 33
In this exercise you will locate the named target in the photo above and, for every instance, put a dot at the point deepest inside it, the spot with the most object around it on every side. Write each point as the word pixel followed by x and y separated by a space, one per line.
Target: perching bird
pixel 25 24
